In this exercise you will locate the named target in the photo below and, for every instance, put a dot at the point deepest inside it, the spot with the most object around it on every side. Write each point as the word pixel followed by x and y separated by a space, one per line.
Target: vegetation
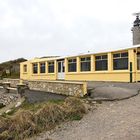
pixel 2 105
pixel 31 119
pixel 10 69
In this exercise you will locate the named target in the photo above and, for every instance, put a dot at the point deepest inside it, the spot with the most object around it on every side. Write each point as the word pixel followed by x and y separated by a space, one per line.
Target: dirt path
pixel 110 121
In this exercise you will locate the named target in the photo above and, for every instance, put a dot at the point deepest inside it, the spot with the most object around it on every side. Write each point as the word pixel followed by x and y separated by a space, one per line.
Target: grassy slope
pixel 31 119
pixel 13 66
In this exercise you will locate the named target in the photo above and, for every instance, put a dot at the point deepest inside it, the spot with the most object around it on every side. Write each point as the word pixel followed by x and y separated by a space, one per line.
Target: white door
pixel 61 70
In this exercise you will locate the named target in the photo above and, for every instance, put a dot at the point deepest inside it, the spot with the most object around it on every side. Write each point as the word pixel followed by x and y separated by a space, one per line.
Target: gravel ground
pixel 114 84
pixel 112 90
pixel 118 120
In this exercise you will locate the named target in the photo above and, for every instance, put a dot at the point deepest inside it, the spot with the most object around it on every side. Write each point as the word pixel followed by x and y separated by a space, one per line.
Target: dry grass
pixel 48 116
pixel 26 123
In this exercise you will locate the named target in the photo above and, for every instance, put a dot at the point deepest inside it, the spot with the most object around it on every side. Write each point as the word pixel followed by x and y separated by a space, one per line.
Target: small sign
pixel 7 71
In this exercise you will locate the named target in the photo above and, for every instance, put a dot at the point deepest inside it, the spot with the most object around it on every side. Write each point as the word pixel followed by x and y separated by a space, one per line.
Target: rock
pixel 7 99
pixel 94 102
pixel 18 104
pixel 9 110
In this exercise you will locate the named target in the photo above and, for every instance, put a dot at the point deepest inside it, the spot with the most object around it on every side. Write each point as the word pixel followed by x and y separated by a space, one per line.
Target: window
pixel 120 61
pixel 85 64
pixel 61 66
pixel 72 65
pixel 50 67
pixel 35 68
pixel 42 67
pixel 24 68
pixel 138 61
pixel 101 63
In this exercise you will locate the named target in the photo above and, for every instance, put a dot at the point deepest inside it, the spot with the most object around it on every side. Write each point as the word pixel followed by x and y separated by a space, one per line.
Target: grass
pixel 31 119
pixel 2 105
pixel 75 117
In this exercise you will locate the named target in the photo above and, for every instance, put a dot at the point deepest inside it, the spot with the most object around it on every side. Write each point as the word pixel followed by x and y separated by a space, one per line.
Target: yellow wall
pixel 30 76
pixel 109 75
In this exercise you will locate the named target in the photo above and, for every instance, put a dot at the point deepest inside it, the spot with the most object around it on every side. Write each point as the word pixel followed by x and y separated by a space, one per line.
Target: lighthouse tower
pixel 136 30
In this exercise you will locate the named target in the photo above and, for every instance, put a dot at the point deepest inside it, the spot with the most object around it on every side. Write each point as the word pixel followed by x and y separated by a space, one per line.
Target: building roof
pixel 80 54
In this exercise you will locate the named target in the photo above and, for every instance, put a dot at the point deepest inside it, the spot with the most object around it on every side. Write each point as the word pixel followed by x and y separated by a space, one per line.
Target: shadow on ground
pixel 33 96
pixel 112 91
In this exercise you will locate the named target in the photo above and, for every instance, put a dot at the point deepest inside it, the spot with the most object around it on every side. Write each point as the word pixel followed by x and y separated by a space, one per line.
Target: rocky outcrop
pixel 6 99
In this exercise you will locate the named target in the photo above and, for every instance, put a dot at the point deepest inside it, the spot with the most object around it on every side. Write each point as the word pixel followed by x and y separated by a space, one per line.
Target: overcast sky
pixel 34 28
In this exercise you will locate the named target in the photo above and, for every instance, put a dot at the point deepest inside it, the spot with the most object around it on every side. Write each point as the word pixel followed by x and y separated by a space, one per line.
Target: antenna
pixel 136 14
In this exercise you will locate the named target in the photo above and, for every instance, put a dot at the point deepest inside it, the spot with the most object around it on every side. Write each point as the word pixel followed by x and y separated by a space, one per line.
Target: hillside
pixel 11 69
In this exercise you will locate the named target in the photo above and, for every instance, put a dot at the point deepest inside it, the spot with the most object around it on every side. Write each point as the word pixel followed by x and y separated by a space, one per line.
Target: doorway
pixel 61 70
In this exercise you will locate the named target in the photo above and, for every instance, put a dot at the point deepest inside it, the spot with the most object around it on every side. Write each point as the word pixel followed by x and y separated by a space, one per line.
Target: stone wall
pixel 13 82
pixel 6 99
pixel 78 89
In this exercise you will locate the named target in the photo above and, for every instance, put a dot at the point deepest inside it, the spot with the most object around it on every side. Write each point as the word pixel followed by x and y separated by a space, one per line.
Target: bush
pixel 50 115
pixel 74 108
pixel 26 123
pixel 4 125
pixel 22 123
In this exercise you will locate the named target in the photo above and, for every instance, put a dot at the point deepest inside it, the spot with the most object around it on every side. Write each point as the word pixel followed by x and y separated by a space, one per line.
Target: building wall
pixel 109 75
pixel 29 74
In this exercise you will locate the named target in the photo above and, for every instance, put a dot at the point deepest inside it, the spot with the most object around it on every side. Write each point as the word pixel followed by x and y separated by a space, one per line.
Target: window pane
pixel 85 66
pixel 51 67
pixel 104 56
pixel 74 60
pixel 63 67
pixel 88 58
pixel 120 64
pixel 101 65
pixel 35 68
pixel 42 67
pixel 72 67
pixel 82 59
pixel 25 68
pixel 97 57
pixel 70 60
pixel 125 54
pixel 138 61
pixel 116 55
pixel 59 66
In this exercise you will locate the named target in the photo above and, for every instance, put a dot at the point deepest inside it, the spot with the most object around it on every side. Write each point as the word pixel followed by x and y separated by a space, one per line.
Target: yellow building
pixel 120 66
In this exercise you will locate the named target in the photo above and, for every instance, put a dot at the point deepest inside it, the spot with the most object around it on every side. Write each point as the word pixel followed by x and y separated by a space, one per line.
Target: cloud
pixel 30 28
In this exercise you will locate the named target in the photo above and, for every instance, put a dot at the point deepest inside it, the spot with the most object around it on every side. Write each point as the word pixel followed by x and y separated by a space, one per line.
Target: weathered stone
pixel 77 89
pixel 65 88
pixel 18 104
pixel 8 111
pixel 21 89
pixel 13 82
pixel 5 86
pixel 7 99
